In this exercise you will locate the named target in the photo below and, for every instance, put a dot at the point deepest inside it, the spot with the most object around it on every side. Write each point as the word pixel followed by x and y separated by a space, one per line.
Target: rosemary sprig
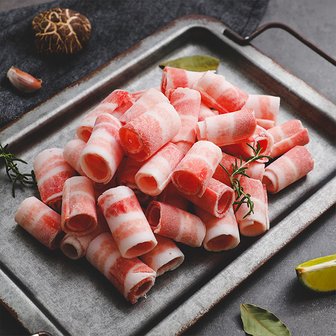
pixel 239 168
pixel 13 171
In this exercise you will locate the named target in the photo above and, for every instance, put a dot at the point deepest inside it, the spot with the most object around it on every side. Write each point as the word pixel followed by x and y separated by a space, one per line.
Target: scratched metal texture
pixel 47 291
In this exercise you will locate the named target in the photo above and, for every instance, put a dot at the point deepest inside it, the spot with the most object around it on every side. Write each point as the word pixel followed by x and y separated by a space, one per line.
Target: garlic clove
pixel 23 81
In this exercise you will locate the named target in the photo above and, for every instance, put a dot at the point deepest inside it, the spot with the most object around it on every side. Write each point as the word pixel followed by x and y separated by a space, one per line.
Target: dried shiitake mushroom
pixel 61 31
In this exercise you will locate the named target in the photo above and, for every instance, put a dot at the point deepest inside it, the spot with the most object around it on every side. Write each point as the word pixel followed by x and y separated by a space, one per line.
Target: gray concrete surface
pixel 275 286
pixel 316 20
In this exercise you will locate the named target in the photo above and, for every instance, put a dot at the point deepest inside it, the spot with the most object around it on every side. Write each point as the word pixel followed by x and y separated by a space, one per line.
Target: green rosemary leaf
pixel 240 169
pixel 13 172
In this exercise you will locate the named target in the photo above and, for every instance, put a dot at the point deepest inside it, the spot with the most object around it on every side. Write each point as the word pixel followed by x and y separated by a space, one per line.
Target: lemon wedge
pixel 318 274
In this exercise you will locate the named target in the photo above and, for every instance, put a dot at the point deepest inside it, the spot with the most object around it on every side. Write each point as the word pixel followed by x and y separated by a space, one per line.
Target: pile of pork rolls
pixel 144 175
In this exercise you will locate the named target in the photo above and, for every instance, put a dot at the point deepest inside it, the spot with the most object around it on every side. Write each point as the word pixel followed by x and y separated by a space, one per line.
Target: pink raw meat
pixel 260 137
pixel 206 112
pixel 227 129
pixel 102 155
pixel 227 162
pixel 127 222
pixel 264 107
pixel 254 170
pixel 72 153
pixel 131 277
pixel 165 256
pixel 288 168
pixel 174 223
pixel 149 99
pixel 51 171
pixel 194 172
pixel 257 222
pixel 219 94
pixel 40 221
pixel 115 103
pixel 173 78
pixel 264 123
pixel 156 173
pixel 221 233
pixel 146 134
pixel 79 215
pixel 288 135
pixel 187 104
pixel 75 247
pixel 216 199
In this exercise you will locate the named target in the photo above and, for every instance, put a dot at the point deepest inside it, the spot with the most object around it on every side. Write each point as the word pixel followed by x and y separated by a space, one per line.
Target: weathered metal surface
pixel 64 296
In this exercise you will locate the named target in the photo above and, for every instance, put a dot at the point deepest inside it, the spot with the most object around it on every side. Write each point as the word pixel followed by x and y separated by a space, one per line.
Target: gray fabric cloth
pixel 117 25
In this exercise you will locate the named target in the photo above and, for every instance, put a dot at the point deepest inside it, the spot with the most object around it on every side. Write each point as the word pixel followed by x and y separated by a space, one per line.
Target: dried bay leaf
pixel 260 322
pixel 193 63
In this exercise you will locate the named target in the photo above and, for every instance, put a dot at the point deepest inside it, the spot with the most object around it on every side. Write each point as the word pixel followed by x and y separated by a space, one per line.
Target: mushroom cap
pixel 61 31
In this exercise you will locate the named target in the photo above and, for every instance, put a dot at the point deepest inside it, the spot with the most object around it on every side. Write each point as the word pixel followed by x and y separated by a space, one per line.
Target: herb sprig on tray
pixel 239 168
pixel 13 172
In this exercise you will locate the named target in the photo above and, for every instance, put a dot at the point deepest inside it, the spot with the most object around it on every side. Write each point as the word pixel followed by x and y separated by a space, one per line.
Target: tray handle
pixel 247 39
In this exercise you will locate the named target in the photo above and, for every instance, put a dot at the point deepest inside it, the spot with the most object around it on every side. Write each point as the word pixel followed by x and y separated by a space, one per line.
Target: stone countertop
pixel 274 286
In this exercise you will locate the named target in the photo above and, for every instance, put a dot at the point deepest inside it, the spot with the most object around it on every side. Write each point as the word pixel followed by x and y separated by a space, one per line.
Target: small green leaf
pixel 193 63
pixel 260 322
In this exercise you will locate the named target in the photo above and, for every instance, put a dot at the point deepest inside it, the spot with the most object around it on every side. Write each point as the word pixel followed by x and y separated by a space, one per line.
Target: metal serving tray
pixel 47 291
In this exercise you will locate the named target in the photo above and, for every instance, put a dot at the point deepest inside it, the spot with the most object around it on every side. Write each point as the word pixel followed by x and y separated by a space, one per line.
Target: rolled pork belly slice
pixel 265 107
pixel 227 129
pixel 131 277
pixel 75 247
pixel 264 123
pixel 222 234
pixel 228 162
pixel 156 173
pixel 40 221
pixel 127 103
pixel 288 135
pixel 79 215
pixel 193 173
pixel 288 168
pixel 173 78
pixel 165 256
pixel 150 98
pixel 118 99
pixel 257 222
pixel 72 152
pixel 51 171
pixel 216 199
pixel 171 196
pixel 126 172
pixel 102 155
pixel 127 222
pixel 206 112
pixel 254 169
pixel 146 134
pixel 187 104
pixel 220 94
pixel 174 223
pixel 260 137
